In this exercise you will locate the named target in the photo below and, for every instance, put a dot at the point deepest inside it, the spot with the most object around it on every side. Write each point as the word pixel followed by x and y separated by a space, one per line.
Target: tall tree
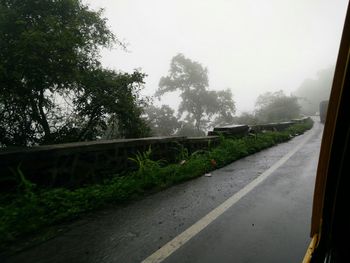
pixel 226 108
pixel 276 106
pixel 199 105
pixel 49 52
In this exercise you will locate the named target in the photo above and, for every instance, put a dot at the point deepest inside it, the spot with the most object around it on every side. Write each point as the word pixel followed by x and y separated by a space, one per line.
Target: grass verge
pixel 31 208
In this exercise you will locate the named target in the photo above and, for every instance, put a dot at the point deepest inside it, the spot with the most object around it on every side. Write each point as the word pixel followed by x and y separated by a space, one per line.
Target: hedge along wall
pixel 75 164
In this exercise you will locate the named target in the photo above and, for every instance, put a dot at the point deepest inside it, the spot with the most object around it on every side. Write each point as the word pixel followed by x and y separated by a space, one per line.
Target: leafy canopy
pixel 199 105
pixel 162 120
pixel 52 85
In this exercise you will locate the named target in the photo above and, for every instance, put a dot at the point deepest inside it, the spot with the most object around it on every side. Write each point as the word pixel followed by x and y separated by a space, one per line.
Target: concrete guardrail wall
pixel 80 163
pixel 74 164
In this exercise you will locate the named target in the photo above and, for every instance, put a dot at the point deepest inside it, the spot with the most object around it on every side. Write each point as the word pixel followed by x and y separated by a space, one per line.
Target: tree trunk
pixel 43 119
pixel 198 122
pixel 89 125
pixel 39 116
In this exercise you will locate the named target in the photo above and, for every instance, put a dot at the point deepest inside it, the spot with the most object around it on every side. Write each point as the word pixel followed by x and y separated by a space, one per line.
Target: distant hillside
pixel 312 91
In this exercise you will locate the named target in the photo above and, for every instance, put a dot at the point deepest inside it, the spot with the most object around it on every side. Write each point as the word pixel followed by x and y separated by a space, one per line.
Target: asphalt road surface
pixel 257 209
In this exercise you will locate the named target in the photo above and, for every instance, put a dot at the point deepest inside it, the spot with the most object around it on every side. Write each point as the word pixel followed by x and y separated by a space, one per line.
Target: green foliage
pixel 183 153
pixel 199 105
pixel 162 121
pixel 52 86
pixel 298 129
pixel 225 108
pixel 142 159
pixel 27 213
pixel 144 162
pixel 24 185
pixel 147 168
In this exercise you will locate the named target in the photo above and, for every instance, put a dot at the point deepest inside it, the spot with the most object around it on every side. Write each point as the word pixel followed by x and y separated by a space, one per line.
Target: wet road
pixel 270 223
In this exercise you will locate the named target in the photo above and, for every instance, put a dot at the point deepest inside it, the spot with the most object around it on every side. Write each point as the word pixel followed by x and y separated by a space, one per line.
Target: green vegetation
pixel 162 120
pixel 53 88
pixel 200 106
pixel 32 208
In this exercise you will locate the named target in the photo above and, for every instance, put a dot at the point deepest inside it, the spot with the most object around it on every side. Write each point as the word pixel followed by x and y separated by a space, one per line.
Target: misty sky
pixel 248 46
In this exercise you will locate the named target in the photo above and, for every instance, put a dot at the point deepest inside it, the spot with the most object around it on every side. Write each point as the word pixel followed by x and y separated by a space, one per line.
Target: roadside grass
pixel 32 209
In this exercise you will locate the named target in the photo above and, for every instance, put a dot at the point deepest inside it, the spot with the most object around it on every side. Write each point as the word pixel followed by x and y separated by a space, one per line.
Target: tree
pixel 162 121
pixel 246 118
pixel 226 108
pixel 199 105
pixel 49 53
pixel 274 107
pixel 312 91
pixel 110 102
pixel 188 129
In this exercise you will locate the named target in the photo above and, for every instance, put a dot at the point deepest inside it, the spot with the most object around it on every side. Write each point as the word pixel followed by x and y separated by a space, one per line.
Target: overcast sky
pixel 249 46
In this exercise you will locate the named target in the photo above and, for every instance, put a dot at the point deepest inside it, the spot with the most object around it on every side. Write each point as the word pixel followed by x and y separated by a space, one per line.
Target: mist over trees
pixel 312 91
pixel 53 88
pixel 246 118
pixel 271 107
pixel 200 107
pixel 276 106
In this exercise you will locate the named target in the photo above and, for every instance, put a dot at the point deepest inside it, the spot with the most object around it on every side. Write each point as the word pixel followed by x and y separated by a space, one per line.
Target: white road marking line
pixel 180 240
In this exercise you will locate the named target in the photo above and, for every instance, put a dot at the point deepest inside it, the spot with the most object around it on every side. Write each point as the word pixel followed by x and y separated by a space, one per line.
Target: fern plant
pixel 183 153
pixel 23 183
pixel 144 162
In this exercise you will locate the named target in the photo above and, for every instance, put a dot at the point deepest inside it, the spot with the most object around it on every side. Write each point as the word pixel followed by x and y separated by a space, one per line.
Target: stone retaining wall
pixel 75 164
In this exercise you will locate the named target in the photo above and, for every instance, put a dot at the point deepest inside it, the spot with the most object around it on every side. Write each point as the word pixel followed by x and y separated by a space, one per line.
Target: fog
pixel 250 47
